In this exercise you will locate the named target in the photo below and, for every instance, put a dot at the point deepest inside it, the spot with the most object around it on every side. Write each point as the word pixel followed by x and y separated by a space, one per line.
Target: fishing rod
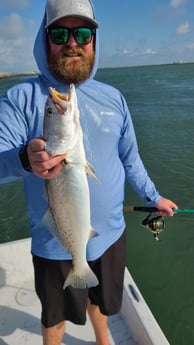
pixel 154 224
pixel 154 209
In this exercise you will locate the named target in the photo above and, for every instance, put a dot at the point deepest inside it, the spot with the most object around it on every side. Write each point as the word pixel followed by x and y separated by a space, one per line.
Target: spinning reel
pixel 155 225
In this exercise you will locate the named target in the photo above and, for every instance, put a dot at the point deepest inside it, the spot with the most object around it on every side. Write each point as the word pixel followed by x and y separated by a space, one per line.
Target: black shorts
pixel 71 304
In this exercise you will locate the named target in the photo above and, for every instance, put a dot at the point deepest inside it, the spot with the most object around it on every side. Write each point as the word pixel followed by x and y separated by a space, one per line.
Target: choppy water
pixel 161 101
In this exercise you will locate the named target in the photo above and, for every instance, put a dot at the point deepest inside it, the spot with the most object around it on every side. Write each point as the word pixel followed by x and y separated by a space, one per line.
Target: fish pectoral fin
pixel 68 153
pixel 93 233
pixel 66 161
pixel 91 172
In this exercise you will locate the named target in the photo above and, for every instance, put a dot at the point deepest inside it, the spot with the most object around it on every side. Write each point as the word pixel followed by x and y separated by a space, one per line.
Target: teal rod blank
pixel 177 210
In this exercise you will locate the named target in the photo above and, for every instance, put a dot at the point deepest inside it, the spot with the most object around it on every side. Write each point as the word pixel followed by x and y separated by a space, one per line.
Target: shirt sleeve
pixel 13 134
pixel 135 171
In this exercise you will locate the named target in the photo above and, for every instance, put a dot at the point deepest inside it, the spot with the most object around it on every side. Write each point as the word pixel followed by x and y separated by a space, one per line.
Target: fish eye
pixel 49 112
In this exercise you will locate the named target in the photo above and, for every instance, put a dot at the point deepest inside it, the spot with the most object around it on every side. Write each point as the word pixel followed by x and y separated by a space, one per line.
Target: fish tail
pixel 84 280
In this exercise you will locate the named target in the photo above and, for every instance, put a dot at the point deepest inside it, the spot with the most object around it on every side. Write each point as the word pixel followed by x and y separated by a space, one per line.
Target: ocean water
pixel 161 102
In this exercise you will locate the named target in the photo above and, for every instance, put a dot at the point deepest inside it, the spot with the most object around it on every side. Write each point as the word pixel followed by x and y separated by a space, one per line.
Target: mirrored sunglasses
pixel 60 35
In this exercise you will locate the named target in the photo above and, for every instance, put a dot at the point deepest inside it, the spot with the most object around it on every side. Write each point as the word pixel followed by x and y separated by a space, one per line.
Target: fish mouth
pixel 55 95
pixel 59 100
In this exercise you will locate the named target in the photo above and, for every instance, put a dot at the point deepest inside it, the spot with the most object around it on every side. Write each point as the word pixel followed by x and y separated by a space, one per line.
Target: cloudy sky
pixel 132 32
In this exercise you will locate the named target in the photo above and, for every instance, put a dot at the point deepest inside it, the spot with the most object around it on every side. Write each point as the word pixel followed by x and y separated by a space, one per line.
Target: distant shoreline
pixel 4 75
pixel 16 74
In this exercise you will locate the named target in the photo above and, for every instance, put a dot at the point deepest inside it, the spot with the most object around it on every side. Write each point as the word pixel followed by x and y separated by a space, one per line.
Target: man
pixel 66 51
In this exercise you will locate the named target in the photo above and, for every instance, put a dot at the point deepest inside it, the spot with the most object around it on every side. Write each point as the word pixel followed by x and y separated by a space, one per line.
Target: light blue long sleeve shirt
pixel 110 145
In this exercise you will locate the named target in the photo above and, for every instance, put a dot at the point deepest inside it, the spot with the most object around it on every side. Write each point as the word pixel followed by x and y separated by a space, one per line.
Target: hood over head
pixel 54 8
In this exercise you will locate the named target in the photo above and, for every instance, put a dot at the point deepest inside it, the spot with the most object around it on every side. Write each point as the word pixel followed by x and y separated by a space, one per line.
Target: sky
pixel 132 32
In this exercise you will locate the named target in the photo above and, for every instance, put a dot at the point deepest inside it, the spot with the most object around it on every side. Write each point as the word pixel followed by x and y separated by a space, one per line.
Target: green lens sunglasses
pixel 60 35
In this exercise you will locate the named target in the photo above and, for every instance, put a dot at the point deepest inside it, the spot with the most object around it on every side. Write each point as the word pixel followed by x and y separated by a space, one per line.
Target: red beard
pixel 71 65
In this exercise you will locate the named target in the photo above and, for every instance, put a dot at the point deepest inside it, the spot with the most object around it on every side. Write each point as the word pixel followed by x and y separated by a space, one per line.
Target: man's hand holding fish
pixel 42 163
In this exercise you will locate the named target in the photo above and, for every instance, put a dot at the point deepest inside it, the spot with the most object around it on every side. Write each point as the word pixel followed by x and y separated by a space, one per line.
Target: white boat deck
pixel 20 321
pixel 20 308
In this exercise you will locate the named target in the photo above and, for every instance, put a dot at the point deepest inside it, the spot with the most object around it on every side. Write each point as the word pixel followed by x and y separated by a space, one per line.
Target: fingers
pixel 165 207
pixel 43 164
pixel 36 145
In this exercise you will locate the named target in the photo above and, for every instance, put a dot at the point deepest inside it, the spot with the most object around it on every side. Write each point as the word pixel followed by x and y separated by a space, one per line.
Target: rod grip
pixel 140 209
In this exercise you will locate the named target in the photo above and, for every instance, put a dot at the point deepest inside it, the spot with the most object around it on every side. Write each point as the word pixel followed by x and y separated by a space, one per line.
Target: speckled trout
pixel 68 214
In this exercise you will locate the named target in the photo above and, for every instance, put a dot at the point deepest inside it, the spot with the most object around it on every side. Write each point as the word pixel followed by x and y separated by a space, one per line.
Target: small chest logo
pixel 107 113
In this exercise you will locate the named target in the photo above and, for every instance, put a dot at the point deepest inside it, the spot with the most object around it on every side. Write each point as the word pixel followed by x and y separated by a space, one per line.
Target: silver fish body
pixel 68 214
